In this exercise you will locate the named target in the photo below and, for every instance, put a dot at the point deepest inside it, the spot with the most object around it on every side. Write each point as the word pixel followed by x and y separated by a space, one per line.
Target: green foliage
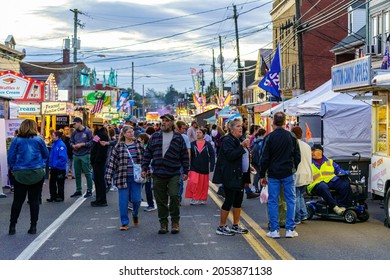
pixel 171 95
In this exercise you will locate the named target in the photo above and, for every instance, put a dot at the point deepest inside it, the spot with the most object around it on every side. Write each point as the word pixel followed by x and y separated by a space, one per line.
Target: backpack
pixel 256 151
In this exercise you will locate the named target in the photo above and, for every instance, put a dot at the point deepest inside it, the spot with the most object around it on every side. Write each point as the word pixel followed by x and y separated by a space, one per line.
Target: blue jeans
pixel 273 196
pixel 256 180
pixel 135 190
pixel 300 205
pixel 69 164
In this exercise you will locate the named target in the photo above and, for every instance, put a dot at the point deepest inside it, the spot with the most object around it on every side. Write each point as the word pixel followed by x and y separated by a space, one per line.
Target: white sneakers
pixel 273 234
pixel 291 233
pixel 276 234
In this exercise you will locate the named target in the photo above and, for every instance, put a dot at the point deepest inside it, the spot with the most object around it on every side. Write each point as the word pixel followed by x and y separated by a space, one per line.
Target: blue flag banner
pixel 122 99
pixel 271 81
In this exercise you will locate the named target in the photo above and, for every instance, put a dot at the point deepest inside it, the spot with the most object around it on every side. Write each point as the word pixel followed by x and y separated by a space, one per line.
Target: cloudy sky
pixel 163 38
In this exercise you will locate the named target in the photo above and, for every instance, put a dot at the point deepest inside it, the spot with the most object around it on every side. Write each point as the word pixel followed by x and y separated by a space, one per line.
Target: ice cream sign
pixel 16 86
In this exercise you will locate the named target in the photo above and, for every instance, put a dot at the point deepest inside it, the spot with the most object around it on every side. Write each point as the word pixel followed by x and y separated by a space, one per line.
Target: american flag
pixel 98 106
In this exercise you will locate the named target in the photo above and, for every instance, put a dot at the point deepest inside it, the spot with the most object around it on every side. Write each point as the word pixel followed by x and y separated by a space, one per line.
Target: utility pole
pixel 221 63
pixel 300 45
pixel 132 87
pixel 143 101
pixel 240 84
pixel 75 45
pixel 214 70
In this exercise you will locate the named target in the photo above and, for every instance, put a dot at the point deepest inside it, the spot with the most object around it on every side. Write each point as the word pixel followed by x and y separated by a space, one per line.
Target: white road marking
pixel 49 231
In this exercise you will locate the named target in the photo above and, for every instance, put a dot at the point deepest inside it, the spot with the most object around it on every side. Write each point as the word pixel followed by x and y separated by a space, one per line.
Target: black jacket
pixel 202 161
pixel 281 154
pixel 99 152
pixel 228 170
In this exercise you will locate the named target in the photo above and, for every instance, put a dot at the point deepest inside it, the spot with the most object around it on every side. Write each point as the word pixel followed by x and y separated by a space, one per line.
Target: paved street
pixel 73 230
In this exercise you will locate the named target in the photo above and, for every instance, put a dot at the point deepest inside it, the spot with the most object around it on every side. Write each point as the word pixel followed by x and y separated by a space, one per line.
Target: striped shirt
pixel 133 151
pixel 169 164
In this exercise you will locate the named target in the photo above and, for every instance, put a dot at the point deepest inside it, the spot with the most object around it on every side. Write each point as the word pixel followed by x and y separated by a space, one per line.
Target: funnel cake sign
pixel 18 87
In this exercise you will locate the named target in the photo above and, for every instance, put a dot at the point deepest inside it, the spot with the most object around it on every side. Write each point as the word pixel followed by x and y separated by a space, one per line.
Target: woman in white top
pixel 303 176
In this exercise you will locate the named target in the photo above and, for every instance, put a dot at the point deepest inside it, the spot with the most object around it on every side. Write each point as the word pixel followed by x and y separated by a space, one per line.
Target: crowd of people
pixel 163 158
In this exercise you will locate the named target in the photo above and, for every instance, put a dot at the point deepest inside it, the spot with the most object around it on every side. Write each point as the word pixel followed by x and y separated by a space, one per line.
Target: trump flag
pixel 270 82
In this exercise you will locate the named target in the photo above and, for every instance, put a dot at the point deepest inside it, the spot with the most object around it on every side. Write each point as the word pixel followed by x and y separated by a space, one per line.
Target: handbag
pixel 264 195
pixel 29 176
pixel 137 169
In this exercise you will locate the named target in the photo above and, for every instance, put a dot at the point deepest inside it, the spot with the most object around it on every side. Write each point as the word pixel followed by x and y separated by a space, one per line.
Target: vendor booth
pixel 336 120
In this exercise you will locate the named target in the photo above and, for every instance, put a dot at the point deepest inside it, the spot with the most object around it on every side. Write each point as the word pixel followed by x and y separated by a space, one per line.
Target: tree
pixel 171 95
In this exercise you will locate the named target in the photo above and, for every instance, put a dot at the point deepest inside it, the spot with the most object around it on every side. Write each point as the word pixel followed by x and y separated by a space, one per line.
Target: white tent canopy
pixel 308 97
pixel 343 124
pixel 280 107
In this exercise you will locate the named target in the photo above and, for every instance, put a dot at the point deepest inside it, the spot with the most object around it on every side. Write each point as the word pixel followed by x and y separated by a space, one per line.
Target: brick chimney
pixel 65 56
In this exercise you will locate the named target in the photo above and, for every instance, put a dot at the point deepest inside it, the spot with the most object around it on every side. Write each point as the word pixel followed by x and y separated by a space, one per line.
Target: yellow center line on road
pixel 262 252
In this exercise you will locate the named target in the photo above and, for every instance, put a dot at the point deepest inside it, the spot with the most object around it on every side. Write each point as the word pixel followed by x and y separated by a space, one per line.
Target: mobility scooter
pixel 358 206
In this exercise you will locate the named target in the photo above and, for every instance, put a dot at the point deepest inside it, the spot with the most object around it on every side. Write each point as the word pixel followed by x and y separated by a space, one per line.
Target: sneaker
pixel 50 199
pixel 291 233
pixel 273 234
pixel 149 209
pixel 239 229
pixel 59 199
pixel 297 222
pixel 221 192
pixel 113 189
pixel 130 206
pixel 202 202
pixel 135 221
pixel 252 195
pixel 194 202
pixel 224 231
pixel 304 219
pixel 124 227
pixel 88 194
pixel 76 194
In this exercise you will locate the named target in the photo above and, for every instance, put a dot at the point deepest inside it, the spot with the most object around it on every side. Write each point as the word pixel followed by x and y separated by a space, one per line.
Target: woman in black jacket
pixel 202 163
pixel 229 172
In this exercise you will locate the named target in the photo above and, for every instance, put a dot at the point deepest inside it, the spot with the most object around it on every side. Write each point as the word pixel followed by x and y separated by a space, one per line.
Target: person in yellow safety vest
pixel 325 178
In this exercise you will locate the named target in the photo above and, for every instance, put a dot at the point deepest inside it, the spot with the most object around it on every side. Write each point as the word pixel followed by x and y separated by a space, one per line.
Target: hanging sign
pixel 18 87
pixel 54 108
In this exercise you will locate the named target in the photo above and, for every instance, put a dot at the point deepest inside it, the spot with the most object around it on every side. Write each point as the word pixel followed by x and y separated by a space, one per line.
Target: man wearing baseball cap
pixel 325 179
pixel 167 153
pixel 81 142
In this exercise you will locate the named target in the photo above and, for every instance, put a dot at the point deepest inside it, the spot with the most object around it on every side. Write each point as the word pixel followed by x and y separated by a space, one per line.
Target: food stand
pixel 374 86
